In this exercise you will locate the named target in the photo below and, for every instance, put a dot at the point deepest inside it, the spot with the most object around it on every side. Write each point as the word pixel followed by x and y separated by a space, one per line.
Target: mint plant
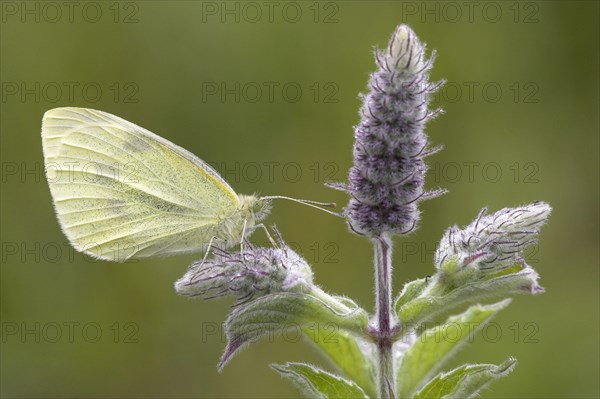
pixel 397 351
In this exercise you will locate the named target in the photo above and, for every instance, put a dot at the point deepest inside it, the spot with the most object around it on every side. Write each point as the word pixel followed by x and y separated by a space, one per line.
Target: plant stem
pixel 383 311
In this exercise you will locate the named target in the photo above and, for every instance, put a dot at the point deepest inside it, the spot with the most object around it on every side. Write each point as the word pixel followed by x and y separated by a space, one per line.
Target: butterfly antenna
pixel 313 204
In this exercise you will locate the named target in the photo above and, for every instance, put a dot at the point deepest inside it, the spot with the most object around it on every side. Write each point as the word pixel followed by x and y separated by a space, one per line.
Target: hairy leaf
pixel 275 312
pixel 437 300
pixel 410 291
pixel 434 346
pixel 465 382
pixel 349 353
pixel 317 383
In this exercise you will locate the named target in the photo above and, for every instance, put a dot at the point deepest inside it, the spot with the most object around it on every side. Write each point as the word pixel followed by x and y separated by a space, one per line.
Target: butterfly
pixel 122 192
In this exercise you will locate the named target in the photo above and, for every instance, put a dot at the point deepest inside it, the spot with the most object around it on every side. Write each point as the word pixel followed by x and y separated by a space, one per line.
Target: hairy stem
pixel 383 311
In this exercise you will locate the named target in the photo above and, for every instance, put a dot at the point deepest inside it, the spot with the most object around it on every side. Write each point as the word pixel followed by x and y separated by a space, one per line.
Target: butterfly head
pixel 255 207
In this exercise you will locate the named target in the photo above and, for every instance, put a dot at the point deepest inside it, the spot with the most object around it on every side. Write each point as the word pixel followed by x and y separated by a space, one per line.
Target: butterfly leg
pixel 242 238
pixel 273 243
pixel 208 248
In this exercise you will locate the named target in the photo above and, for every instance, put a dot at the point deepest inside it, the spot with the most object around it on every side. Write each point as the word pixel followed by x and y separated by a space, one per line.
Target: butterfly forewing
pixel 121 191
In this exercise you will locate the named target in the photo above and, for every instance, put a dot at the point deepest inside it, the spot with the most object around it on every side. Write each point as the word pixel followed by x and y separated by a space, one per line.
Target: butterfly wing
pixel 121 192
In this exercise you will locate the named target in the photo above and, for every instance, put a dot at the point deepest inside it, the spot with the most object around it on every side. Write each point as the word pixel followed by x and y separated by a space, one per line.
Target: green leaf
pixel 436 345
pixel 317 383
pixel 347 352
pixel 410 291
pixel 439 299
pixel 275 312
pixel 465 381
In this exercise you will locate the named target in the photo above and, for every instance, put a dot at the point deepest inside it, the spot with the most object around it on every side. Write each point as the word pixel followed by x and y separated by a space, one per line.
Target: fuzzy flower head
pixel 247 275
pixel 387 179
pixel 492 245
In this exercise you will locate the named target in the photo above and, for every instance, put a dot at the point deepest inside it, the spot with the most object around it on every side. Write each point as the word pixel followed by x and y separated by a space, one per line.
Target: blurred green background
pixel 521 124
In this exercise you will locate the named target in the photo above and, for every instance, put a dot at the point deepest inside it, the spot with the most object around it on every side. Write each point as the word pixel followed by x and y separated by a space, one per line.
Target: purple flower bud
pixel 387 179
pixel 478 262
pixel 249 274
pixel 492 243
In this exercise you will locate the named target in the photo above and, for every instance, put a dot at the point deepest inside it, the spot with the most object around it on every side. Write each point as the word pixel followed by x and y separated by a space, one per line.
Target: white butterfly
pixel 120 191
